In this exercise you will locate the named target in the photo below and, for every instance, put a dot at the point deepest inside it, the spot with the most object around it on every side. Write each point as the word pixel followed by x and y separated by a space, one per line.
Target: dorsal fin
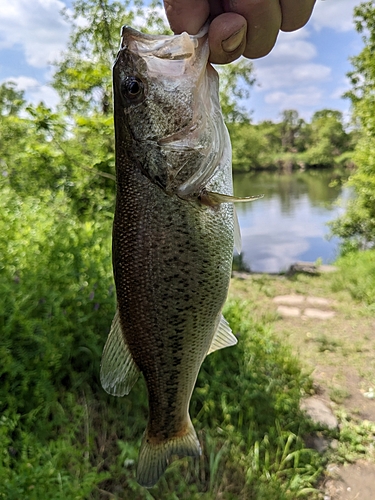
pixel 118 372
pixel 223 337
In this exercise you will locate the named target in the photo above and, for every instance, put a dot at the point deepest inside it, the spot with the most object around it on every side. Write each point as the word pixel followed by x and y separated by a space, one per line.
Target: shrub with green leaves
pixel 357 271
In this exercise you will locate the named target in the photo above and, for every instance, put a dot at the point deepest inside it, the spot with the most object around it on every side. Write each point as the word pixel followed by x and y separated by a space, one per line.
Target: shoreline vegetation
pixel 292 143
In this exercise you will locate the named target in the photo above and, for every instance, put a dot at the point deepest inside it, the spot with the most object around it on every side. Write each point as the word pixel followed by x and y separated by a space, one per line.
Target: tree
pixel 83 76
pixel 328 138
pixel 248 146
pixel 358 223
pixel 292 131
pixel 11 100
pixel 235 82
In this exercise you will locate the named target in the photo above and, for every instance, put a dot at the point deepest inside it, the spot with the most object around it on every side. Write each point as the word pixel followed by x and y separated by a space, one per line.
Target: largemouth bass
pixel 173 234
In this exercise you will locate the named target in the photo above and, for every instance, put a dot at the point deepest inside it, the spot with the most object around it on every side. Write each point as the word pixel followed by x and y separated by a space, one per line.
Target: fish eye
pixel 132 88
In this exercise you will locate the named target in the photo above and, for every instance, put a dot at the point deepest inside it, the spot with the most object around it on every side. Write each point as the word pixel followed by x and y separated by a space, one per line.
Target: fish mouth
pixel 172 48
pixel 167 55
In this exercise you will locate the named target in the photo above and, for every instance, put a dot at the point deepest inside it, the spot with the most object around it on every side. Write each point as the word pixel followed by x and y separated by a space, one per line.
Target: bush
pixel 357 271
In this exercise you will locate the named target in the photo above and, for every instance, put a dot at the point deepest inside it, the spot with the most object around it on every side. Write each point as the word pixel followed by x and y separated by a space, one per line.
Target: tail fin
pixel 154 458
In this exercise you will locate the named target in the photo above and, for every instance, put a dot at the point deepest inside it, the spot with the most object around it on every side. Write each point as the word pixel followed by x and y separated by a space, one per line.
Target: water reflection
pixel 289 223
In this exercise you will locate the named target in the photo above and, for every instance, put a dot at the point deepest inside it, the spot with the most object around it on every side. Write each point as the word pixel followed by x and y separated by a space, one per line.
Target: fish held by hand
pixel 173 234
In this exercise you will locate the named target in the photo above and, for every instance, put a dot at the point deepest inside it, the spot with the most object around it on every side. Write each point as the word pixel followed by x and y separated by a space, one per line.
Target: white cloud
pixel 36 92
pixel 334 14
pixel 311 72
pixel 292 47
pixel 306 97
pixel 291 64
pixel 298 50
pixel 280 76
pixel 37 27
pixel 24 82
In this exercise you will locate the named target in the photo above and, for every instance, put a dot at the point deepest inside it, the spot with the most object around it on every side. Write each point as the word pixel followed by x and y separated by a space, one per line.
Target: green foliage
pixel 35 471
pixel 356 440
pixel 358 223
pixel 57 295
pixel 357 271
pixel 11 100
pixel 32 161
pixel 235 81
pixel 249 146
pixel 56 298
pixel 292 142
pixel 328 139
pixel 83 76
pixel 41 151
pixel 292 131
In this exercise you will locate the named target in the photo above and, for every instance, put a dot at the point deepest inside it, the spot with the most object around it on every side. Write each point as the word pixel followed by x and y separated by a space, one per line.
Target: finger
pixel 295 14
pixel 227 38
pixel 186 16
pixel 263 24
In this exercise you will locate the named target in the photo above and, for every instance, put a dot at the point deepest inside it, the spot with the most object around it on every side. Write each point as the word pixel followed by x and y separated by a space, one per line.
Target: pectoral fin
pixel 211 198
pixel 118 372
pixel 223 337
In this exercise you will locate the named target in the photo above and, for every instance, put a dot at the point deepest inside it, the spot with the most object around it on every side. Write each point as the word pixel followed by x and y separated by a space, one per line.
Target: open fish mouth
pixel 163 46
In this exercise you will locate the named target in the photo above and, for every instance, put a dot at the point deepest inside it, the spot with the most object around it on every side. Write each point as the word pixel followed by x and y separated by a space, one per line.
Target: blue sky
pixel 305 71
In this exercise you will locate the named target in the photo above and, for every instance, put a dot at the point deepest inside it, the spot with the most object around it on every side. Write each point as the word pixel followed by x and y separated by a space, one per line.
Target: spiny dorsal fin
pixel 223 337
pixel 237 232
pixel 118 372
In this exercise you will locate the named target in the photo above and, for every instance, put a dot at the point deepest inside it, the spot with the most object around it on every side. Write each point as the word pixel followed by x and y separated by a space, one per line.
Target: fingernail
pixel 234 41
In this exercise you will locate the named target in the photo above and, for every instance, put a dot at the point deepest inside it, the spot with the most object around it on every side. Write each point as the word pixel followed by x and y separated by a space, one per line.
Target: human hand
pixel 238 27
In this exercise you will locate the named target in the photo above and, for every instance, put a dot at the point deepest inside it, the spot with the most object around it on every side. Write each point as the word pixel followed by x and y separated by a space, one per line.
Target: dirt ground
pixel 334 337
pixel 351 482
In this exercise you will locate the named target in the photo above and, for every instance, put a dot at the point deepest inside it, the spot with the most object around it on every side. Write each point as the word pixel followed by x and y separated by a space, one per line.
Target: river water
pixel 290 223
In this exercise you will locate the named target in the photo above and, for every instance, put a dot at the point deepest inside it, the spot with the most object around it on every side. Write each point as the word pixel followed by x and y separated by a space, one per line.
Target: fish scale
pixel 168 300
pixel 172 241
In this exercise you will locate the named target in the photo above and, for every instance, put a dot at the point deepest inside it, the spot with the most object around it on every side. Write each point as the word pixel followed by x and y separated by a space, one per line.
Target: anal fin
pixel 223 337
pixel 118 371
